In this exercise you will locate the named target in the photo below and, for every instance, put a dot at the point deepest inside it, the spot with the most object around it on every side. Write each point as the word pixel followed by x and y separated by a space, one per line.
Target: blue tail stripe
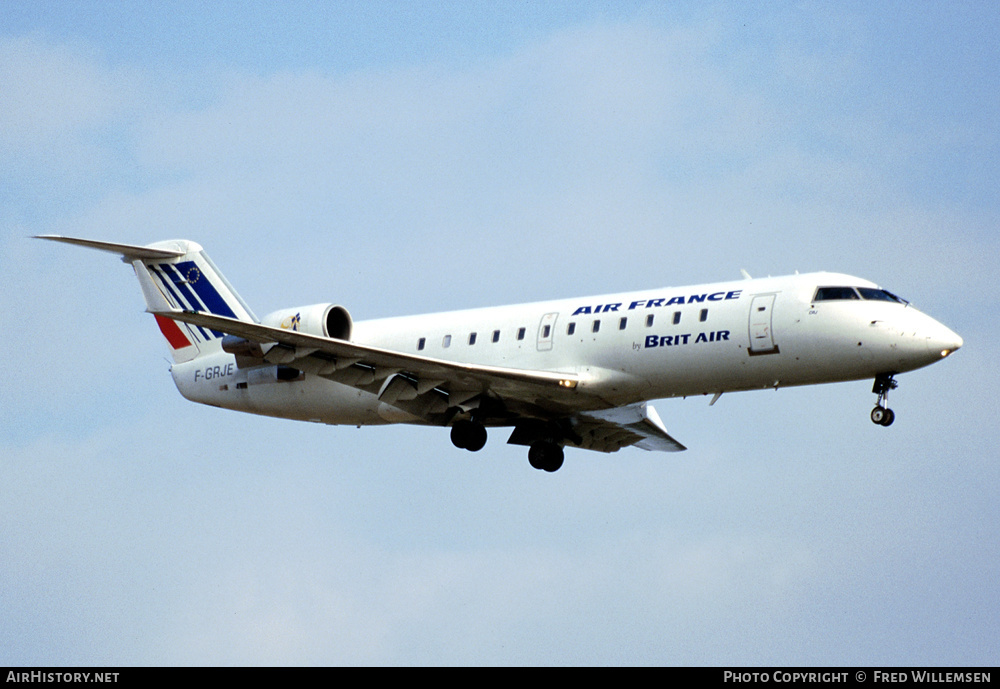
pixel 206 291
pixel 190 299
pixel 173 295
pixel 182 286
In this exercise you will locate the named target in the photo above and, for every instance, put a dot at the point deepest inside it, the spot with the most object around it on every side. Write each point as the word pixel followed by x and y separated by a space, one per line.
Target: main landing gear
pixel 469 434
pixel 881 414
pixel 546 455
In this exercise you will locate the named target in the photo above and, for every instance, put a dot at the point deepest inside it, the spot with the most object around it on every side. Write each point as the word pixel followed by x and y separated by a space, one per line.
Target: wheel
pixel 883 416
pixel 458 435
pixel 468 435
pixel 546 456
pixel 476 440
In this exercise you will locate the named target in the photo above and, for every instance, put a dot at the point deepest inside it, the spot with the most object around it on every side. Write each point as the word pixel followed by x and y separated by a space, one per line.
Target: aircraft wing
pixel 610 430
pixel 332 355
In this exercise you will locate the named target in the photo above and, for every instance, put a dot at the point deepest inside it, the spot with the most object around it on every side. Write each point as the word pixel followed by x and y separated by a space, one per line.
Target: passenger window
pixel 677 317
pixel 446 342
pixel 622 323
pixel 703 316
pixel 496 335
pixel 571 328
pixel 472 338
pixel 420 343
pixel 520 333
pixel 546 331
pixel 649 321
pixel 597 326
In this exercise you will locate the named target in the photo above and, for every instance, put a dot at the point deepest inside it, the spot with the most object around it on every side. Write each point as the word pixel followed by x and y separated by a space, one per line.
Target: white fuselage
pixel 650 344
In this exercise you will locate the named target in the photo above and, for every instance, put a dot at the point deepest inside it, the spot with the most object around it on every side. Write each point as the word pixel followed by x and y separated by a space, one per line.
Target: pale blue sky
pixel 403 157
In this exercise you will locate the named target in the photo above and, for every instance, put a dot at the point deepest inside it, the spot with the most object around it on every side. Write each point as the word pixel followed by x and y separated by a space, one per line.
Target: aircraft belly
pixel 270 391
pixel 316 399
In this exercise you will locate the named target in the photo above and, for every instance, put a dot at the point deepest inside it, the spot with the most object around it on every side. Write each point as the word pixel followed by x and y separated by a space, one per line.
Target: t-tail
pixel 178 274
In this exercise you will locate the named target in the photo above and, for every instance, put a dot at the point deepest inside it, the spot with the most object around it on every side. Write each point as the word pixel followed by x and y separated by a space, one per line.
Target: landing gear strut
pixel 468 435
pixel 881 414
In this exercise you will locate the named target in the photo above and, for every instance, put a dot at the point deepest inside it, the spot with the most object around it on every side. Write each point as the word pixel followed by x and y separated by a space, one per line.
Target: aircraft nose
pixel 943 340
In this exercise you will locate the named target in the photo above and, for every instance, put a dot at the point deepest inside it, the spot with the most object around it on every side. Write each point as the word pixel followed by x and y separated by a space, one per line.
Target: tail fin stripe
pixel 192 301
pixel 206 290
pixel 172 332
pixel 169 284
pixel 166 285
pixel 197 289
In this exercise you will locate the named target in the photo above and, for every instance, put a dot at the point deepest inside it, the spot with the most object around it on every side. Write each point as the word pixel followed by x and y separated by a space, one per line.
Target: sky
pixel 399 158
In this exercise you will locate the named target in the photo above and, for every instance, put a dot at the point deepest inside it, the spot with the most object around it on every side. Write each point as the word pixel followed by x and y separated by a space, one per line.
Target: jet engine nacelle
pixel 325 320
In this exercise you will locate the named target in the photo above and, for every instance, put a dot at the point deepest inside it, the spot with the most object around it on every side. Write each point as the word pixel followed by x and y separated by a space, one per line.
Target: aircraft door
pixel 761 334
pixel 546 331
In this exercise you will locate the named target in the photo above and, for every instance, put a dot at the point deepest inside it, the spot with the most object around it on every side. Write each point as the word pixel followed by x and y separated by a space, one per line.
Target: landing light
pixel 945 352
pixel 571 384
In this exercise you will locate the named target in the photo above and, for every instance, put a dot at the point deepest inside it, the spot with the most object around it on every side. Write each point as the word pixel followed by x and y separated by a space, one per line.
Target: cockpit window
pixel 867 293
pixel 879 295
pixel 835 293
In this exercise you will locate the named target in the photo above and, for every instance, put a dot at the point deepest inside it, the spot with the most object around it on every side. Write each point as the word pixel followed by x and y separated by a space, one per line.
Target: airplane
pixel 565 373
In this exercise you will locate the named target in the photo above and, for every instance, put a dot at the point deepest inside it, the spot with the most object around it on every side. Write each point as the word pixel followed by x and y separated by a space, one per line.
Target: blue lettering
pixel 652 341
pixel 658 302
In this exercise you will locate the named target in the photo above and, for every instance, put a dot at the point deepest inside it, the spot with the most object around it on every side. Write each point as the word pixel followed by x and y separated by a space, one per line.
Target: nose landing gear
pixel 881 414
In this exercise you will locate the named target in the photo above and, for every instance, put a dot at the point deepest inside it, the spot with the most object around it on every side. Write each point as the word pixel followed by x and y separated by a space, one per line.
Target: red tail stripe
pixel 175 336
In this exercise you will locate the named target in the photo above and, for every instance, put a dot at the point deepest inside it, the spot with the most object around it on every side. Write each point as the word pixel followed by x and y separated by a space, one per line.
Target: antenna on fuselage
pixel 745 274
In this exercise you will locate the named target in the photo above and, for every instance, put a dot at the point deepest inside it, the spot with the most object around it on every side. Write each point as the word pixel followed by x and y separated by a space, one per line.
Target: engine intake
pixel 325 320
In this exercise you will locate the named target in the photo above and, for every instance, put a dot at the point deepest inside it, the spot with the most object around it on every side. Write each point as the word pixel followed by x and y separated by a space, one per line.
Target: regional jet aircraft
pixel 572 372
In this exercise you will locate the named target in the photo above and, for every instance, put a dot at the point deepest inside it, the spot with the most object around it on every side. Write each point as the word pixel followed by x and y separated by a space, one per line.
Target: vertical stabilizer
pixel 178 275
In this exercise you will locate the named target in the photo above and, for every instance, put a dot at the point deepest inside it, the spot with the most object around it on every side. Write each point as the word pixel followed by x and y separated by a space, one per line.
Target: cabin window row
pixel 623 322
pixel 547 330
pixel 473 338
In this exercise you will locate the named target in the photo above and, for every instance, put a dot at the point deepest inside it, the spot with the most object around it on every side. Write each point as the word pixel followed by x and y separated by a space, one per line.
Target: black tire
pixel 468 435
pixel 545 455
pixel 476 440
pixel 458 435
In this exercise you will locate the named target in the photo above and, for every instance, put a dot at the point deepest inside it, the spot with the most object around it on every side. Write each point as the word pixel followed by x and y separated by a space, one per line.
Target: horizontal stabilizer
pixel 129 252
